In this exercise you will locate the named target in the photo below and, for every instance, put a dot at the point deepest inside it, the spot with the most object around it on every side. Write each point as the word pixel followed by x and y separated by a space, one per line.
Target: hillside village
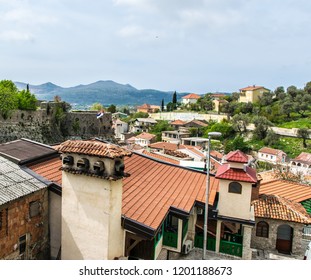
pixel 136 183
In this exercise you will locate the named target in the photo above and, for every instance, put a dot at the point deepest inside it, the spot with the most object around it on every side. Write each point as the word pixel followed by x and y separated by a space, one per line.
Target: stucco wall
pixel 233 204
pixel 186 116
pixel 91 218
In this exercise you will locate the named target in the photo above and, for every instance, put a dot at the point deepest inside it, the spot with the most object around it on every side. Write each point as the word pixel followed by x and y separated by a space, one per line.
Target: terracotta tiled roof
pixel 161 157
pixel 303 157
pixel 191 96
pixel 276 207
pixel 225 172
pixel 290 190
pixel 270 151
pixel 154 187
pixel 144 106
pixel 178 122
pixel 145 135
pixel 251 88
pixel 236 156
pixel 216 154
pixel 49 169
pixel 171 146
pixel 93 148
pixel 198 122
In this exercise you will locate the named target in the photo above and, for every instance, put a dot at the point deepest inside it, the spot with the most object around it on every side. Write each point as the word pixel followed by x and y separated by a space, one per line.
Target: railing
pixel 170 239
pixel 211 242
pixel 235 238
pixel 226 247
pixel 230 248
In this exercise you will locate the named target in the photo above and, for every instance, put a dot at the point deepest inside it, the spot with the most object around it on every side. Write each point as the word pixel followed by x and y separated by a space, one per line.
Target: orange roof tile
pixel 251 88
pixel 191 96
pixel 280 208
pixel 303 157
pixel 49 169
pixel 236 156
pixel 154 187
pixel 290 190
pixel 178 122
pixel 198 122
pixel 161 157
pixel 270 151
pixel 93 148
pixel 145 135
pixel 171 146
pixel 225 172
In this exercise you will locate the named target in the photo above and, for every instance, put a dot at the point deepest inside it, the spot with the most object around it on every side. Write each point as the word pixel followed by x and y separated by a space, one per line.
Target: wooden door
pixel 284 239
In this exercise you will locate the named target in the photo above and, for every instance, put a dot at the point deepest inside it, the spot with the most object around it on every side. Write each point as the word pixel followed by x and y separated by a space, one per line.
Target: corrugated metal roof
pixel 16 183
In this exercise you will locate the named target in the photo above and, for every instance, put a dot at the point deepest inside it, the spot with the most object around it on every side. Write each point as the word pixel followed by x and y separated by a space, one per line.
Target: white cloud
pixel 13 35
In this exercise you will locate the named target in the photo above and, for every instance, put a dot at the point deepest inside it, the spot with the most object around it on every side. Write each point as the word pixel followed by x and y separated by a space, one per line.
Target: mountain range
pixel 104 92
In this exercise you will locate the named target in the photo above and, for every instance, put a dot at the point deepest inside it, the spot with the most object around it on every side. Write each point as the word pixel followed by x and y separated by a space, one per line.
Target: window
pixel 22 244
pixel 34 208
pixel 235 187
pixel 262 229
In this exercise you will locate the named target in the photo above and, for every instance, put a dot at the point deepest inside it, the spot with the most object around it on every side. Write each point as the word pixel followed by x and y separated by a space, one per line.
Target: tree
pixel 266 99
pixel 162 105
pixel 8 98
pixel 302 103
pixel 96 107
pixel 307 88
pixel 304 134
pixel 169 107
pixel 26 100
pixel 205 102
pixel 237 143
pixel 57 99
pixel 159 127
pixel 287 107
pixel 271 139
pixel 229 108
pixel 174 101
pixel 292 91
pixel 112 108
pixel 240 122
pixel 224 127
pixel 262 125
pixel 246 107
pixel 279 93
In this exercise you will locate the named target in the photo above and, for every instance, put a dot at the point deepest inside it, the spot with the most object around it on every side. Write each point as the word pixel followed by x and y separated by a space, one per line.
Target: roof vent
pixel 119 168
pixel 83 164
pixel 68 160
pixel 99 167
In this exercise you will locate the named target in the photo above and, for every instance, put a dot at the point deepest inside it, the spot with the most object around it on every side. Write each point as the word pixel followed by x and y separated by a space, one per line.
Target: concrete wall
pixel 270 243
pixel 91 217
pixel 233 204
pixel 186 116
pixel 19 223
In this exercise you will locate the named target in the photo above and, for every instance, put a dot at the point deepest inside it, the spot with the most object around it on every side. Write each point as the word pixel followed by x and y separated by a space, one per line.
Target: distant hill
pixel 105 92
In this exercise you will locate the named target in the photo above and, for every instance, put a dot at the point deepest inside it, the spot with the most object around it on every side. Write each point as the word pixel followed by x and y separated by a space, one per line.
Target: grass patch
pixel 300 123
pixel 291 146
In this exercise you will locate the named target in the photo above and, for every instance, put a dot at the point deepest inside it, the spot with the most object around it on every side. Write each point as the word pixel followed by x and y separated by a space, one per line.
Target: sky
pixel 195 46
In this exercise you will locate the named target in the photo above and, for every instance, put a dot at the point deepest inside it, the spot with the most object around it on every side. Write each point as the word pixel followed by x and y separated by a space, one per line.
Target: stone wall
pixel 47 125
pixel 270 243
pixel 18 223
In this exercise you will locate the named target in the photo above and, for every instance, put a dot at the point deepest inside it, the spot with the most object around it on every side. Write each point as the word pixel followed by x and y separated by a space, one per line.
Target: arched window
pixel 262 229
pixel 235 187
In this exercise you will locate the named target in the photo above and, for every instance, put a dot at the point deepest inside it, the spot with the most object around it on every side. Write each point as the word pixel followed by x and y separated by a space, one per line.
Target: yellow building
pixel 251 93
